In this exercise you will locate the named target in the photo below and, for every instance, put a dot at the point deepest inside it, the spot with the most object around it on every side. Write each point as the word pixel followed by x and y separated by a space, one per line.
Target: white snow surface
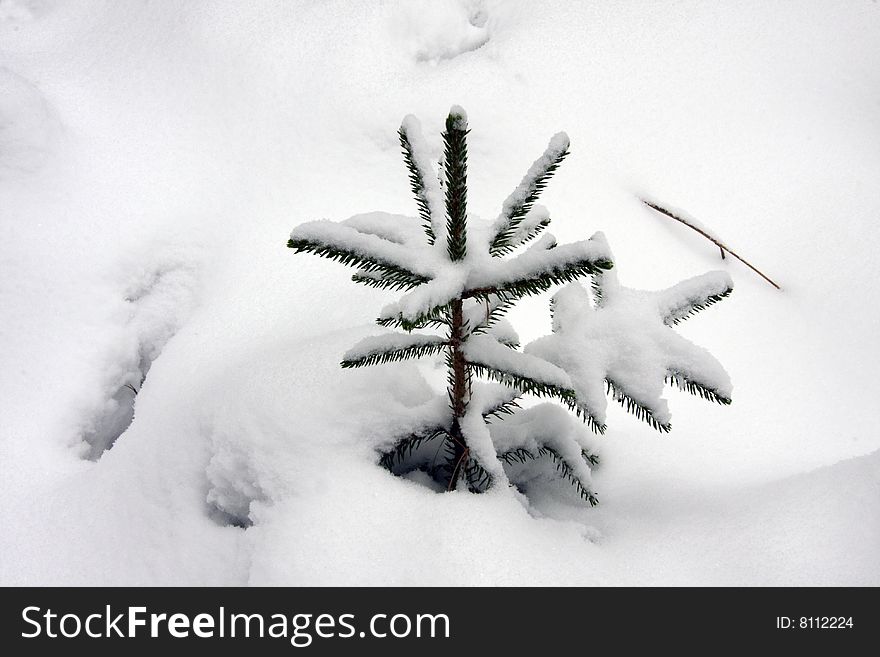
pixel 166 149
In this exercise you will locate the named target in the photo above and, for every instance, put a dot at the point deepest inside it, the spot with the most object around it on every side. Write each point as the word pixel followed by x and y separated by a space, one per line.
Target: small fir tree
pixel 462 275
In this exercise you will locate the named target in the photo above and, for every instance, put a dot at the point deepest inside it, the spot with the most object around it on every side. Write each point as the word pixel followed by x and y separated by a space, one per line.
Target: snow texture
pixel 537 262
pixel 545 425
pixel 559 144
pixel 431 192
pixel 376 345
pixel 488 351
pixel 368 246
pixel 135 139
pixel 459 118
pixel 432 31
pixel 504 332
pixel 476 432
pixel 625 342
pixel 537 216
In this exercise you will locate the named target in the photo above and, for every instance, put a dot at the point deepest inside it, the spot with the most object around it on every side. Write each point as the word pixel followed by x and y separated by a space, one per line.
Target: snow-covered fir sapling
pixel 461 275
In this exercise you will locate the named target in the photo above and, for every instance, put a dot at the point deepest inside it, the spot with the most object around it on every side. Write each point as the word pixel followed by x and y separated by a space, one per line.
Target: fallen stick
pixel 724 248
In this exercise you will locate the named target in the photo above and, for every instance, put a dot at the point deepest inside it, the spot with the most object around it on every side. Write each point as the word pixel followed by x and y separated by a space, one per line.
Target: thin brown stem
pixel 724 248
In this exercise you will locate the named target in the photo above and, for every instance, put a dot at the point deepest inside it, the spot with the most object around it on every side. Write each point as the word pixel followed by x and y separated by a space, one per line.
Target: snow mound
pixel 435 30
pixel 252 456
pixel 820 528
pixel 28 126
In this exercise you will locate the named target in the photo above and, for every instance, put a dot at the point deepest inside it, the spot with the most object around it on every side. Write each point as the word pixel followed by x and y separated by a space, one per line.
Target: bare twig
pixel 724 248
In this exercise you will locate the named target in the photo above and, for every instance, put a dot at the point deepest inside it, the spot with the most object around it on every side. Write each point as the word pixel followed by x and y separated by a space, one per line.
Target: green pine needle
pixel 352 258
pixel 536 285
pixel 455 165
pixel 505 407
pixel 634 407
pixel 408 324
pixel 417 184
pixel 539 389
pixel 417 350
pixel 388 279
pixel 522 455
pixel 497 305
pixel 502 241
pixel 435 318
pixel 404 448
pixel 705 392
pixel 682 313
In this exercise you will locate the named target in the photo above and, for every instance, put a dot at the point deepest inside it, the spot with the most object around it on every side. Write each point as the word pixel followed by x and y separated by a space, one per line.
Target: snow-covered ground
pixel 154 157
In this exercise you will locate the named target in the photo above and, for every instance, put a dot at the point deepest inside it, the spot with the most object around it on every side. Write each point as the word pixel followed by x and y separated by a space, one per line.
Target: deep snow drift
pixel 153 160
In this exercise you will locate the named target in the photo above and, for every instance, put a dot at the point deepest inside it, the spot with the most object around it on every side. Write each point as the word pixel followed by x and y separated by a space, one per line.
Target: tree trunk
pixel 458 395
pixel 455 164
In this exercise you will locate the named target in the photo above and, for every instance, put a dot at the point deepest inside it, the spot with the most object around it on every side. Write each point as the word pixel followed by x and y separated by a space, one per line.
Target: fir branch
pixel 403 449
pixel 497 306
pixel 386 279
pixel 409 323
pixel 422 345
pixel 554 326
pixel 519 236
pixel 596 287
pixel 589 457
pixel 352 258
pixel 477 477
pixel 554 275
pixel 455 166
pixel 517 205
pixel 695 388
pixel 632 406
pixel 504 407
pixel 683 312
pixel 546 243
pixel 526 238
pixel 521 455
pixel 435 318
pixel 417 184
pixel 523 383
pixel 539 389
pixel 567 472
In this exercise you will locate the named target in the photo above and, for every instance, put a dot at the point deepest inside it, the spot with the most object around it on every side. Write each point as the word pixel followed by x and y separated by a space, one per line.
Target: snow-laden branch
pixel 517 205
pixel 426 300
pixel 537 270
pixel 688 297
pixel 392 347
pixel 626 344
pixel 423 179
pixel 351 247
pixel 527 373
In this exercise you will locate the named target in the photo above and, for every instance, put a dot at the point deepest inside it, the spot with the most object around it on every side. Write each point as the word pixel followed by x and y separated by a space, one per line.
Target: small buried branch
pixel 724 248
